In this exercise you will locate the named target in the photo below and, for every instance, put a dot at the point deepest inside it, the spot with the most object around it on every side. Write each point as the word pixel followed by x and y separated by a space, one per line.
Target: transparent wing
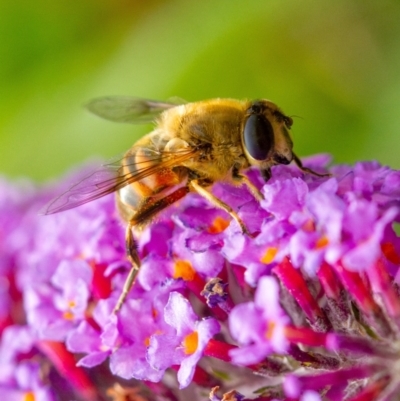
pixel 125 109
pixel 112 176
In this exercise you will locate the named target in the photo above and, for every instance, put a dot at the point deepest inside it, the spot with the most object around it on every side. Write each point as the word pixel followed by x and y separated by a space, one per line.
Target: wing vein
pixel 99 183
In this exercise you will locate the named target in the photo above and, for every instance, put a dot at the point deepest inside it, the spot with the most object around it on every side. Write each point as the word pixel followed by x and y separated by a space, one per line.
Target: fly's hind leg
pixel 132 254
pixel 297 160
pixel 219 203
pixel 144 214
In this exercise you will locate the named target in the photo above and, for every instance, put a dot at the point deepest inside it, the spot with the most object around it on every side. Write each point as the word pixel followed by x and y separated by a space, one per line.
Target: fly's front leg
pixel 195 184
pixel 266 174
pixel 306 169
pixel 131 252
pixel 246 181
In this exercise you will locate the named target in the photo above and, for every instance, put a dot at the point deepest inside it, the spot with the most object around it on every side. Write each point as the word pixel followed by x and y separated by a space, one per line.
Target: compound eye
pixel 258 136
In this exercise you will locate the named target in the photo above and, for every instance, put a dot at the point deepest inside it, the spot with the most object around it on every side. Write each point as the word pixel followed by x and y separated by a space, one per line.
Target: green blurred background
pixel 335 64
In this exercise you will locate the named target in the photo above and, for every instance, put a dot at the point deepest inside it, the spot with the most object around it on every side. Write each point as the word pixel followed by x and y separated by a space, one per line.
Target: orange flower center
pixel 270 330
pixel 29 396
pixel 269 255
pixel 218 225
pixel 184 270
pixel 322 242
pixel 68 314
pixel 190 343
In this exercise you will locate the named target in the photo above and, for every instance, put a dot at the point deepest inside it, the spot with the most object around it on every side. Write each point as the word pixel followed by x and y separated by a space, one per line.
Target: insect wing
pixel 110 178
pixel 124 109
pixel 100 182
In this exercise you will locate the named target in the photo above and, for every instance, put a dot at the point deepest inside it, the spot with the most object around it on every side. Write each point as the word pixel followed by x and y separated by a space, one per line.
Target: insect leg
pixel 143 215
pixel 150 207
pixel 266 174
pixel 131 251
pixel 131 245
pixel 306 169
pixel 245 180
pixel 218 203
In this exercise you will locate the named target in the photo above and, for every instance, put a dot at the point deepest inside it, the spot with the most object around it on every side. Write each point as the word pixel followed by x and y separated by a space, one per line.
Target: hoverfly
pixel 192 146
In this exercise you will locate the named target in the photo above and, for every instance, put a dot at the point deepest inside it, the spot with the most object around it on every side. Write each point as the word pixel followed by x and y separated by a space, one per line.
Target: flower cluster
pixel 306 307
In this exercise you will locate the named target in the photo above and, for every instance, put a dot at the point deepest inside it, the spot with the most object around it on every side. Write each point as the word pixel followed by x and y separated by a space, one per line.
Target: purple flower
pixel 86 338
pixel 134 328
pixel 184 344
pixel 27 385
pixel 263 331
pixel 305 308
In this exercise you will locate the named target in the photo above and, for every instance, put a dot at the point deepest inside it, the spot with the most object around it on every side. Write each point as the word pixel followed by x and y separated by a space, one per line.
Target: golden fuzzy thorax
pixel 214 125
pixel 217 125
